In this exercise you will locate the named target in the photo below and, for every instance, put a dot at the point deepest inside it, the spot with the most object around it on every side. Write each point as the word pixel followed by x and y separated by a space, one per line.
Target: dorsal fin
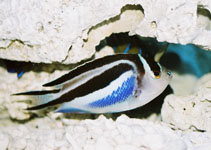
pixel 90 66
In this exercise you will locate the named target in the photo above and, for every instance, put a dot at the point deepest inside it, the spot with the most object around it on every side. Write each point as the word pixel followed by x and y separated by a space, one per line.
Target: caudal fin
pixel 42 98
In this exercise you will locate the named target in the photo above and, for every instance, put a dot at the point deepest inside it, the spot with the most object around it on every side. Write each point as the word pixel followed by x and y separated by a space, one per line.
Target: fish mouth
pixel 169 74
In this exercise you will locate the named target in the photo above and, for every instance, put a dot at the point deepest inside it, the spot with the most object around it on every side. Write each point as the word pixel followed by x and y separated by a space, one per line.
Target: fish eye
pixel 157 74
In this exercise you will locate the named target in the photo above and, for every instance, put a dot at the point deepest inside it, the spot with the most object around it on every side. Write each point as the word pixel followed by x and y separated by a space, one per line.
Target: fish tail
pixel 42 98
pixel 41 106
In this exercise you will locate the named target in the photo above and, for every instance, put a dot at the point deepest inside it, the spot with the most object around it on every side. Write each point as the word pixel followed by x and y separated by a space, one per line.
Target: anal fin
pixel 71 110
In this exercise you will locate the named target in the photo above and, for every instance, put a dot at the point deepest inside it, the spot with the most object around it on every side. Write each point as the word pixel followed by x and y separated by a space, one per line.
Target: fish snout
pixel 169 74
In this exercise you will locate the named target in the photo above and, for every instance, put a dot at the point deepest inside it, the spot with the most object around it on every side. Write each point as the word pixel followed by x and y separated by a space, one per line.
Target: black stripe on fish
pixel 152 64
pixel 96 64
pixel 38 92
pixel 92 85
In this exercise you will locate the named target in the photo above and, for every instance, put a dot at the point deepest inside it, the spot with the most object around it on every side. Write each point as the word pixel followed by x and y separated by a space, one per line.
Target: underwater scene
pixel 84 75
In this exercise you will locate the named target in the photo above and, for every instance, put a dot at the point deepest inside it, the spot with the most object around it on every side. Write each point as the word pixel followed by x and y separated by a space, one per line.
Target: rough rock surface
pixel 67 31
pixel 102 133
pixel 192 111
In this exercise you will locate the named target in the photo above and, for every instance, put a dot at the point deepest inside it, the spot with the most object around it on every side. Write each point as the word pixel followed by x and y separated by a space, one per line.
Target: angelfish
pixel 110 84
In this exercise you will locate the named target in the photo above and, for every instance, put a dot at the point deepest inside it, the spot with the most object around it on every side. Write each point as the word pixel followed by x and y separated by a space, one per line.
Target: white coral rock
pixel 102 133
pixel 190 112
pixel 68 31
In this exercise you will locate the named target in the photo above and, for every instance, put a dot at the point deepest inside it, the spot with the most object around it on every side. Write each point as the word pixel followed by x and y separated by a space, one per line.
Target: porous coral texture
pixel 192 111
pixel 68 31
pixel 102 133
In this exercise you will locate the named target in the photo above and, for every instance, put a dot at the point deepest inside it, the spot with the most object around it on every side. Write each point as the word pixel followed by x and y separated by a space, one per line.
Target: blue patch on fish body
pixel 122 93
pixel 72 110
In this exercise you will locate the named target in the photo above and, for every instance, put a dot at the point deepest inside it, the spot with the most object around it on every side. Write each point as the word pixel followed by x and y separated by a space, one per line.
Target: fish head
pixel 159 79
pixel 155 79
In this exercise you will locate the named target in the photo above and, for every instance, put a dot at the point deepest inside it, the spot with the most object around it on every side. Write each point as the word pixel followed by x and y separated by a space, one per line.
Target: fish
pixel 111 84
pixel 17 67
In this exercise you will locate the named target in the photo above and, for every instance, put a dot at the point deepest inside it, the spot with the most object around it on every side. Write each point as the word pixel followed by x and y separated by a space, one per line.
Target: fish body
pixel 110 84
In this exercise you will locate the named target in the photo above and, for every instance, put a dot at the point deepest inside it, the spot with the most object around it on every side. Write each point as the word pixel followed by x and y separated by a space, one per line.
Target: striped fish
pixel 110 84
